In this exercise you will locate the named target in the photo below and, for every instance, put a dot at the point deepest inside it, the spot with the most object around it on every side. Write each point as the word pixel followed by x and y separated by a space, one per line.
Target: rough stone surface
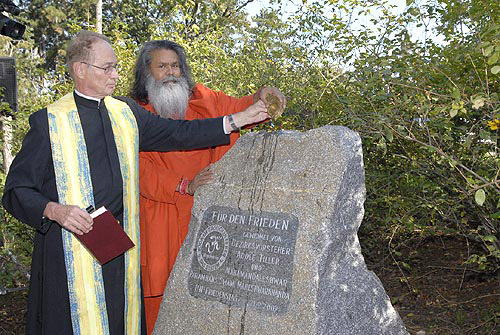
pixel 272 245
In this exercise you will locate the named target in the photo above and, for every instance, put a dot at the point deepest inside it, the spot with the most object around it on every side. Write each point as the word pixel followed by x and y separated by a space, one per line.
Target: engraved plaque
pixel 244 258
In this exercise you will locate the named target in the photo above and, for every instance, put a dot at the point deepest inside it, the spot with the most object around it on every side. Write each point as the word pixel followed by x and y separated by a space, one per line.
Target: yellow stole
pixel 74 187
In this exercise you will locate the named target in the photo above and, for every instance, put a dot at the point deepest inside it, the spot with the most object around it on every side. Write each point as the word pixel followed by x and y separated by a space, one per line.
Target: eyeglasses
pixel 107 69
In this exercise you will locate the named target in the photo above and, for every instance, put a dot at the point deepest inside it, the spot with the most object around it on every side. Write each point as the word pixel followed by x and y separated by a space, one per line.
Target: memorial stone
pixel 272 246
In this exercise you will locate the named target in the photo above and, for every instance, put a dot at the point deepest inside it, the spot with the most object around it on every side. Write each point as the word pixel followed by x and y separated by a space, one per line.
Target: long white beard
pixel 169 96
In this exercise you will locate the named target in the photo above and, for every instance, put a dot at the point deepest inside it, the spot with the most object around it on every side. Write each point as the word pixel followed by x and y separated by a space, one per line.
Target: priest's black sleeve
pixel 24 194
pixel 160 134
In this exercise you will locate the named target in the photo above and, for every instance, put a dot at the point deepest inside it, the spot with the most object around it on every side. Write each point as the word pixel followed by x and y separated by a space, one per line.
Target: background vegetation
pixel 420 85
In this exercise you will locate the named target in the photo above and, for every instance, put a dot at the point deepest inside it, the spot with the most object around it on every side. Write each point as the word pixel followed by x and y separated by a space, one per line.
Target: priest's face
pixel 167 89
pixel 99 75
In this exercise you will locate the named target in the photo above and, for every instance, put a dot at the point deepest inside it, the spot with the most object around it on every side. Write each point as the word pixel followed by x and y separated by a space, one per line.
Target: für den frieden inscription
pixel 244 259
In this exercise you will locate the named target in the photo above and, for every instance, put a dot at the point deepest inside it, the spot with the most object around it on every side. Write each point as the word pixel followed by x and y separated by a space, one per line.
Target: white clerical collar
pixel 87 97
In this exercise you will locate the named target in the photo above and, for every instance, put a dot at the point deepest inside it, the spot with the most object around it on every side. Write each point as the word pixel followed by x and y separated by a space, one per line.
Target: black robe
pixel 30 185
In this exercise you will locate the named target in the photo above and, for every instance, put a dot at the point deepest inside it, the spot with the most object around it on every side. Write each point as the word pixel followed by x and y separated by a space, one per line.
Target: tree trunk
pixel 98 16
pixel 6 129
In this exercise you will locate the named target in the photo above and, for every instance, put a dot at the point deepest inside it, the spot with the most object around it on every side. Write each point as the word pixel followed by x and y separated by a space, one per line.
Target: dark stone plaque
pixel 244 258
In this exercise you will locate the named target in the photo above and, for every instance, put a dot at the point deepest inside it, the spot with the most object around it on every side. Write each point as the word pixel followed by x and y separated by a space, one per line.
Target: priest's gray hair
pixel 79 49
pixel 142 67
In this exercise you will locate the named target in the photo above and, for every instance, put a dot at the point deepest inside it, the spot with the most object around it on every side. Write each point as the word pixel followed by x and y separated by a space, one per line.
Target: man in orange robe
pixel 163 85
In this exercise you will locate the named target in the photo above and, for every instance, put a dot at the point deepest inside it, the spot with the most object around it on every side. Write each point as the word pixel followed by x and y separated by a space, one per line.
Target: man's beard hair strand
pixel 169 96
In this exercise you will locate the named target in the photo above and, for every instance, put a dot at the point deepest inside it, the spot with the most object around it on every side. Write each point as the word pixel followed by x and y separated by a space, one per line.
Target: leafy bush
pixel 427 108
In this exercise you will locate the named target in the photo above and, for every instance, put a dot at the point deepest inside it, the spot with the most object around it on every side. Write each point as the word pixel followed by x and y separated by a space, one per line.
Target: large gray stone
pixel 272 246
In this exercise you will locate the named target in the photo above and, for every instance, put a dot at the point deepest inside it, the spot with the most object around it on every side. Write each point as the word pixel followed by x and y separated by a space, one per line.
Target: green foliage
pixel 426 135
pixel 15 249
pixel 427 107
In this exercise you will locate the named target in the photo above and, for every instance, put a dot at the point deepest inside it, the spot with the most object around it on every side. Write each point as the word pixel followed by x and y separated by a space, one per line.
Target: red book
pixel 107 239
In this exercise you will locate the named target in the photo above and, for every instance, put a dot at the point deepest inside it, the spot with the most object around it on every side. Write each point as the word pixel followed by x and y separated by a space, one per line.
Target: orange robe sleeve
pixel 156 181
pixel 223 104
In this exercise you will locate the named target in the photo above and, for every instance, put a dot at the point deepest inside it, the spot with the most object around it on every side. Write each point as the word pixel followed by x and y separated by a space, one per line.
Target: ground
pixel 433 291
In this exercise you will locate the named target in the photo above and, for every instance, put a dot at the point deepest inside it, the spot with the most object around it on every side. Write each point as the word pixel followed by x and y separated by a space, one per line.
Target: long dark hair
pixel 142 67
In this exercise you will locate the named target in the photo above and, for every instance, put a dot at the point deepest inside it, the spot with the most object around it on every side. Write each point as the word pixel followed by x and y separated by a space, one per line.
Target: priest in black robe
pixel 31 190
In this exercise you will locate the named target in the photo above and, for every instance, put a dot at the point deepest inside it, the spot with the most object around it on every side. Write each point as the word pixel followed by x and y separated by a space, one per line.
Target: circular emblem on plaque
pixel 212 247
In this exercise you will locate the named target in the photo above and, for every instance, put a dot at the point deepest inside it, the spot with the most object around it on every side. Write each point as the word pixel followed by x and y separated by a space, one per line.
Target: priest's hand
pixel 73 218
pixel 253 114
pixel 201 178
